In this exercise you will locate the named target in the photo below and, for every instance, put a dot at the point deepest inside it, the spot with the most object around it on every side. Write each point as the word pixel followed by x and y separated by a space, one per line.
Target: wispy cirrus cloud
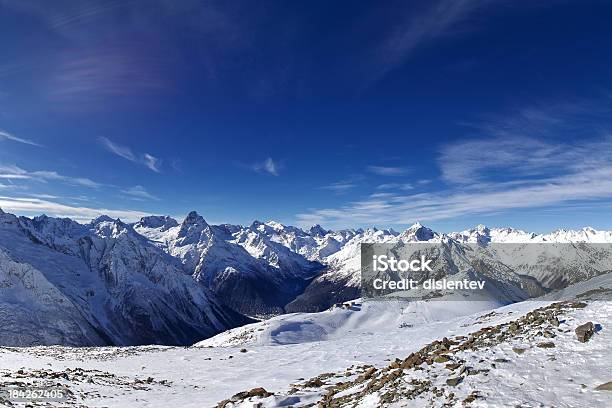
pixel 581 117
pixel 345 185
pixel 44 196
pixel 12 172
pixel 152 162
pixel 387 170
pixel 340 187
pixel 498 173
pixel 122 52
pixel 139 193
pixel 148 160
pixel 404 209
pixel 415 29
pixel 86 79
pixel 395 186
pixel 119 150
pixel 36 206
pixel 4 135
pixel 268 166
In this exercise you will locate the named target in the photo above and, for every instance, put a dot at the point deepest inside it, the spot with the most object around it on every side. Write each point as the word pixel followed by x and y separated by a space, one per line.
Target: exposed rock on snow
pixel 373 354
pixel 419 380
pixel 585 331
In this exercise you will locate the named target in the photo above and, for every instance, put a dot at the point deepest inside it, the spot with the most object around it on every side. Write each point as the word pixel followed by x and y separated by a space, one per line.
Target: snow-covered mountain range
pixel 98 284
pixel 169 282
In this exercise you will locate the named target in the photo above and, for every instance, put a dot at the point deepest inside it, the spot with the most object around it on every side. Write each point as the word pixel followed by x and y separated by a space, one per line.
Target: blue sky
pixel 348 114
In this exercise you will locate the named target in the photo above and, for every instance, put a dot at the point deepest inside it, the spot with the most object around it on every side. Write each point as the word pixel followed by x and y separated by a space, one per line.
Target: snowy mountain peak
pixel 417 232
pixel 111 229
pixel 483 229
pixel 265 228
pixel 191 228
pixel 100 219
pixel 193 219
pixel 164 222
pixel 256 224
pixel 483 234
pixel 276 225
pixel 6 217
pixel 318 231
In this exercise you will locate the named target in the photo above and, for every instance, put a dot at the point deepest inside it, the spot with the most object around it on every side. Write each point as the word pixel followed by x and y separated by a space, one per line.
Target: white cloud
pixel 267 166
pixel 139 193
pixel 436 19
pixel 44 196
pixel 7 136
pixel 152 162
pixel 35 206
pixel 79 181
pixel 393 186
pixel 510 174
pixel 480 160
pixel 387 170
pixel 340 187
pixel 148 160
pixel 119 150
pixel 12 172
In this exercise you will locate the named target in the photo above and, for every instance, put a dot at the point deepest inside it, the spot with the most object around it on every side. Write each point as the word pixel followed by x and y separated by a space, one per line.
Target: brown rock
pixel 453 381
pixel 441 359
pixel 223 403
pixel 585 331
pixel 313 383
pixel 259 392
pixel 240 396
pixel 471 398
pixel 412 361
pixel 605 387
pixel 546 344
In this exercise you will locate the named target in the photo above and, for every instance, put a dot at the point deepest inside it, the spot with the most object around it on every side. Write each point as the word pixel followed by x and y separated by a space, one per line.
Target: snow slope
pixel 345 343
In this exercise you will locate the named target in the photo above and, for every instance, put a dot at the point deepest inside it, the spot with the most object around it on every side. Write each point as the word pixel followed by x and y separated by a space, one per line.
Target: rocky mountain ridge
pixel 98 284
pixel 168 282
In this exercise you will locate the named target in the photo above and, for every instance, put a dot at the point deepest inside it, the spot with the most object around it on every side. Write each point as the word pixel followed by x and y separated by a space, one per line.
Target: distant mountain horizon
pixel 318 229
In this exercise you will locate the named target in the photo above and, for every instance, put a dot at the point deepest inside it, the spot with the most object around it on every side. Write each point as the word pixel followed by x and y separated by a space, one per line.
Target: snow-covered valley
pixel 297 359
